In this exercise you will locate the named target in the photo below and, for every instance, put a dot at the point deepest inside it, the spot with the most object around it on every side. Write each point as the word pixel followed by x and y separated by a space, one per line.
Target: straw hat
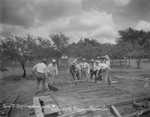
pixel 92 60
pixel 53 60
pixel 97 61
pixel 83 59
pixel 44 60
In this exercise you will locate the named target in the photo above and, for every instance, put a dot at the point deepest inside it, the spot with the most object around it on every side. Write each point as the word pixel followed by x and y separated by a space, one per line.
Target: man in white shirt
pixel 78 69
pixel 40 71
pixel 105 73
pixel 106 60
pixel 52 71
pixel 85 69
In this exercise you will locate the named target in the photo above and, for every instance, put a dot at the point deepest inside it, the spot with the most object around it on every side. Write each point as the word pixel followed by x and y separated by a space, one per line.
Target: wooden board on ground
pixel 76 98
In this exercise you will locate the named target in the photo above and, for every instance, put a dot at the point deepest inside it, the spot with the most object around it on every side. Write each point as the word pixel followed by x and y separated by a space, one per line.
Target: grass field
pixel 11 82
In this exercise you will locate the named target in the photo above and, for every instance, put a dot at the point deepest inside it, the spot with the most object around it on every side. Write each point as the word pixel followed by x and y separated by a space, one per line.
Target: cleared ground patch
pixel 12 83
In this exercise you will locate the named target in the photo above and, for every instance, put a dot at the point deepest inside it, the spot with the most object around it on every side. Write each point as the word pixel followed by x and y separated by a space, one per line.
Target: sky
pixel 97 19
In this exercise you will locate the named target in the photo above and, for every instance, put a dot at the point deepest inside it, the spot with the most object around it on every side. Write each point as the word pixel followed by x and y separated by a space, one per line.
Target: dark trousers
pixel 92 73
pixel 75 74
pixel 99 76
pixel 40 77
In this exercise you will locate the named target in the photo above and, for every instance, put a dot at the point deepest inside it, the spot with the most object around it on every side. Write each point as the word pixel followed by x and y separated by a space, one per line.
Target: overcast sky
pixel 98 19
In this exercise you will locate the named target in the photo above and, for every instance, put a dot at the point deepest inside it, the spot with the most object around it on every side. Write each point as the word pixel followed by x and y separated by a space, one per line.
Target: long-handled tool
pixel 74 76
pixel 61 111
pixel 61 83
pixel 96 79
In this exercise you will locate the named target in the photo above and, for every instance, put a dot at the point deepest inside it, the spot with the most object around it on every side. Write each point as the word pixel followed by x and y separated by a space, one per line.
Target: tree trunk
pixel 2 66
pixel 24 70
pixel 129 62
pixel 57 61
pixel 138 63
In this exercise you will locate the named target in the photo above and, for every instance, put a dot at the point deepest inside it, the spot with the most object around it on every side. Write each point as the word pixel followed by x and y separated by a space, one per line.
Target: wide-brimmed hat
pixel 92 60
pixel 106 56
pixel 53 60
pixel 97 61
pixel 83 59
pixel 44 60
pixel 98 57
pixel 73 62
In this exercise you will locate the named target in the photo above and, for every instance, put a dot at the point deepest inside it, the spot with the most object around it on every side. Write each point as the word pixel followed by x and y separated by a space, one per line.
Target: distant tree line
pixel 131 44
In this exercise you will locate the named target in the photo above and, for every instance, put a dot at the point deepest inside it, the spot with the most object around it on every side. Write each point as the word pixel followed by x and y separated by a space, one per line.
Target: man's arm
pixel 98 69
pixel 34 69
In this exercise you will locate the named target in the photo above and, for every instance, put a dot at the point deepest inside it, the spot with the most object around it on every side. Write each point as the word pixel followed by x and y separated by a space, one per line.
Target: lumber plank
pixel 59 106
pixel 116 111
pixel 38 109
pixel 131 101
pixel 83 89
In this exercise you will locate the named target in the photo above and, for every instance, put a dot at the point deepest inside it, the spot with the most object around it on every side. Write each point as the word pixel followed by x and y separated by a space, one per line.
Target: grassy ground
pixel 11 83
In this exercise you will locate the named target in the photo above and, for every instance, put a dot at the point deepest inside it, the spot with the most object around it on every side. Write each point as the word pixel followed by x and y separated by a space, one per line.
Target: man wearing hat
pixel 52 71
pixel 85 69
pixel 106 59
pixel 40 71
pixel 105 67
pixel 74 70
pixel 92 70
pixel 98 71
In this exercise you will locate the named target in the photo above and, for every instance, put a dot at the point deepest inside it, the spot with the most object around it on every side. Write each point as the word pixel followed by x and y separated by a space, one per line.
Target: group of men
pixel 98 69
pixel 45 74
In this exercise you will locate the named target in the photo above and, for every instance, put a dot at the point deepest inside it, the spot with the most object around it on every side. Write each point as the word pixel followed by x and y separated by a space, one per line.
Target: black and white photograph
pixel 74 58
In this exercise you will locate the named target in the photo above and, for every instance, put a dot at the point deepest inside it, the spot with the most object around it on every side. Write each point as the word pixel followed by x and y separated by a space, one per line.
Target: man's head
pixel 98 57
pixel 106 57
pixel 44 61
pixel 92 61
pixel 97 62
pixel 53 61
pixel 83 60
pixel 74 61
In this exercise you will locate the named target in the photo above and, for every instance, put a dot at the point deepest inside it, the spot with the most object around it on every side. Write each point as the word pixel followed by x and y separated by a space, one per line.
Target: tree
pixel 136 40
pixel 7 50
pixel 44 48
pixel 61 42
pixel 19 48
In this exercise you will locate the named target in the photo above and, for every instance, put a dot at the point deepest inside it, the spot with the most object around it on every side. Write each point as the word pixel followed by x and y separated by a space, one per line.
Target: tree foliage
pixel 134 43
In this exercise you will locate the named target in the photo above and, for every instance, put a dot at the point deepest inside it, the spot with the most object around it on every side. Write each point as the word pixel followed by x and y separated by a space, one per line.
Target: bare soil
pixel 11 83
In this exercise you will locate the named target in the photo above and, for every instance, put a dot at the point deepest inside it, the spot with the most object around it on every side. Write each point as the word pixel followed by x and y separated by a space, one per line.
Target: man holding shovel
pixel 52 72
pixel 40 71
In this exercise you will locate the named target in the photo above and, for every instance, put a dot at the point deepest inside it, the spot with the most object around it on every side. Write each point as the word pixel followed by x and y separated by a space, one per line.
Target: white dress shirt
pixel 77 66
pixel 85 65
pixel 103 66
pixel 108 62
pixel 41 68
